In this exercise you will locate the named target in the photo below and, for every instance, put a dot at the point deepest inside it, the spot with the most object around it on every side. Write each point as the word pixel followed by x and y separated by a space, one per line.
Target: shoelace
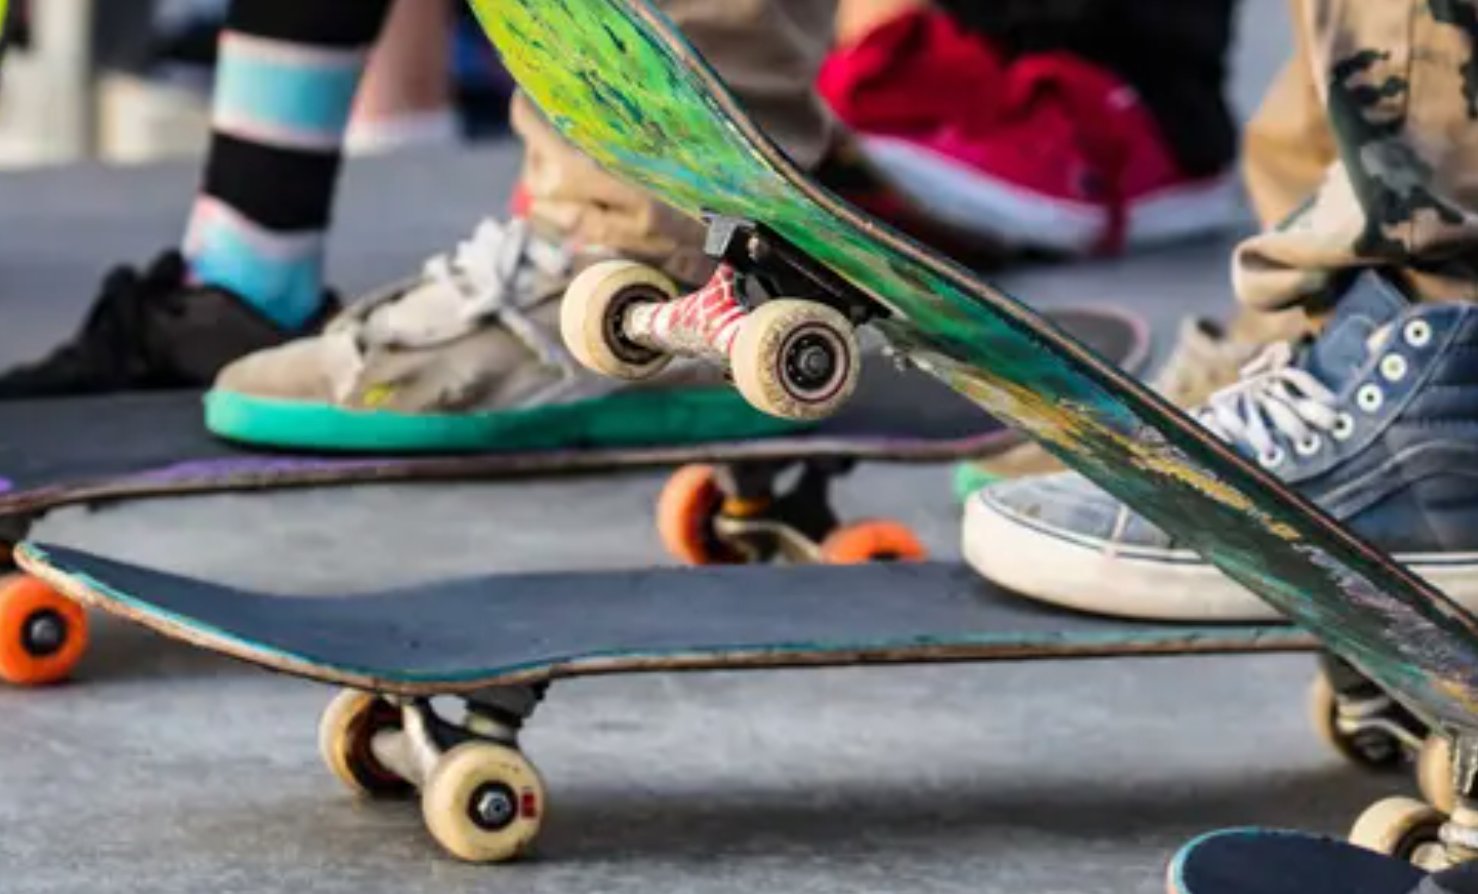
pixel 489 272
pixel 1274 398
pixel 1201 364
pixel 486 268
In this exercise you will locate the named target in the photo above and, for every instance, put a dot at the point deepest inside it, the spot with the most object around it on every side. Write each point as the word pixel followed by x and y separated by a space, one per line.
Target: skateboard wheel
pixel 1399 827
pixel 686 509
pixel 1370 749
pixel 345 733
pixel 872 541
pixel 1434 773
pixel 43 634
pixel 796 359
pixel 595 304
pixel 483 802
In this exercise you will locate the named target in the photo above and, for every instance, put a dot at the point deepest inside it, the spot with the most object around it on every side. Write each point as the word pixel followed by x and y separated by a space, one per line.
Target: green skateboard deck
pixel 622 84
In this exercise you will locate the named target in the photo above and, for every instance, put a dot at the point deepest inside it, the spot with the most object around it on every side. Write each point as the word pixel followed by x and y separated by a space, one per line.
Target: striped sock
pixel 285 84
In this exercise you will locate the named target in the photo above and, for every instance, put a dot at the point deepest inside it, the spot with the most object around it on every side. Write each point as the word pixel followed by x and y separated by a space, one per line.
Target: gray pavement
pixel 163 769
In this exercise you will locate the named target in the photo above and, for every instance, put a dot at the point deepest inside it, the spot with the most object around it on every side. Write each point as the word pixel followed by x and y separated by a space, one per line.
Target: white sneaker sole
pixel 1006 213
pixel 1161 585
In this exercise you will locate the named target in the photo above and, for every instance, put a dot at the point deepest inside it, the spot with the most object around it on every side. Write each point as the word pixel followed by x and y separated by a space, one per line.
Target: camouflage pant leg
pixel 1286 148
pixel 1398 80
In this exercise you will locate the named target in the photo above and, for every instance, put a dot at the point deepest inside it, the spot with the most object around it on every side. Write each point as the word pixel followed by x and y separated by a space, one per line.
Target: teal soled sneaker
pixel 467 357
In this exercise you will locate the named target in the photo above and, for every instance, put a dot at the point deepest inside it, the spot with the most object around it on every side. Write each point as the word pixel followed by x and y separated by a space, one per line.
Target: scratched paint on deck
pixel 621 84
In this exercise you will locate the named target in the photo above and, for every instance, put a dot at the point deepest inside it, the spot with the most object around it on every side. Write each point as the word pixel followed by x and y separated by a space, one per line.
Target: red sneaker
pixel 914 74
pixel 1050 153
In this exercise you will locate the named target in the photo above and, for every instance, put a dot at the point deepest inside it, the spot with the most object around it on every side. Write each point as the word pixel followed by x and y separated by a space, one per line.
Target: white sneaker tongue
pixel 429 313
pixel 1343 351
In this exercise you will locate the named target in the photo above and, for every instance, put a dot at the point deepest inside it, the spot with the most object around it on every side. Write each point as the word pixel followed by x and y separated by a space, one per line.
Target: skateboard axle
pixel 783 331
pixel 700 324
pixel 1458 836
pixel 480 797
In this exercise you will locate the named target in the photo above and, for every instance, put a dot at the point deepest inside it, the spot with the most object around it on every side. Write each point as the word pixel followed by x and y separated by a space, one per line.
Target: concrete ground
pixel 163 769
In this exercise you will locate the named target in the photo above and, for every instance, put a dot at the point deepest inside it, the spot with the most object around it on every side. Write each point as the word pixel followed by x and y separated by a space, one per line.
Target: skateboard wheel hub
pixel 45 633
pixel 811 362
pixel 493 806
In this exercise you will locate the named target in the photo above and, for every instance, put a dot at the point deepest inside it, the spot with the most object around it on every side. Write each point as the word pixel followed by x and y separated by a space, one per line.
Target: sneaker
pixel 149 330
pixel 848 172
pixel 1205 359
pixel 1376 421
pixel 1047 153
pixel 468 357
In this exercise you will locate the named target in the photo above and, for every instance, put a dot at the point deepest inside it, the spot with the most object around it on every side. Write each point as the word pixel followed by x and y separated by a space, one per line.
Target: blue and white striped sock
pixel 285 84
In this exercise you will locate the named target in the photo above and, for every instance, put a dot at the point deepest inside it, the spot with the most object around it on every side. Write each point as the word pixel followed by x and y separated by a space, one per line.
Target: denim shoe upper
pixel 1376 420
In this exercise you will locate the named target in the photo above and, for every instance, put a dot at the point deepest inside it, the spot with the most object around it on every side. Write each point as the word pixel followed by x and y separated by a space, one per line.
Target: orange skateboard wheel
pixel 879 540
pixel 42 633
pixel 689 503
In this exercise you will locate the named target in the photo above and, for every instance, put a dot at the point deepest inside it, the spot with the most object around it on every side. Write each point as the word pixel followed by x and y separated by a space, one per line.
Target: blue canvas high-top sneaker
pixel 1376 420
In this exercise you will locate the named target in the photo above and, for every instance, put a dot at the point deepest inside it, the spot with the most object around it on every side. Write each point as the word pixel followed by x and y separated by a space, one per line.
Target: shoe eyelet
pixel 1308 446
pixel 1370 397
pixel 1418 333
pixel 1393 367
pixel 1344 427
pixel 1272 458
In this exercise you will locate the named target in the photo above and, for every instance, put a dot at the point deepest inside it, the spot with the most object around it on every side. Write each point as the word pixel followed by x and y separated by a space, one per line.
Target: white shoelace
pixel 485 269
pixel 494 273
pixel 1273 398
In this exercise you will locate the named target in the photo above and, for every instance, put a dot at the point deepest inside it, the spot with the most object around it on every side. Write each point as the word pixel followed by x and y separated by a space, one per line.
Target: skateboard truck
pixel 782 326
pixel 481 798
pixel 794 356
pixel 1440 831
pixel 757 511
pixel 1435 832
pixel 1360 721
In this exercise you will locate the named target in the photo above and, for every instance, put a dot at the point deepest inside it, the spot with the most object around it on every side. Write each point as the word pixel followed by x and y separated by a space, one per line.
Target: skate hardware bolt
pixel 812 362
pixel 493 807
pixel 45 633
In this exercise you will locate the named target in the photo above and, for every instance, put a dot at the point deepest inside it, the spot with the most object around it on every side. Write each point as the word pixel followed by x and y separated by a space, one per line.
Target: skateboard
pixel 1271 861
pixel 499 641
pixel 621 83
pixel 93 451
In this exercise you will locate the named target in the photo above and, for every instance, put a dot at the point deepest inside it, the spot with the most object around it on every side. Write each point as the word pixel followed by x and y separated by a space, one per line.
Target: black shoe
pixel 148 332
